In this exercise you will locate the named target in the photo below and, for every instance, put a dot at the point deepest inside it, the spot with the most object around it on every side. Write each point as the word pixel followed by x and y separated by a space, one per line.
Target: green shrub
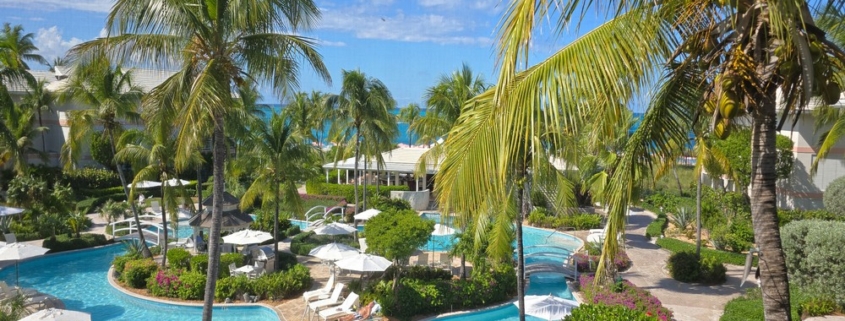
pixel 192 286
pixel 119 263
pixel 736 237
pixel 712 271
pixel 656 228
pixel 592 312
pixel 199 263
pixel 285 260
pixel 164 283
pixel 579 221
pixel 749 306
pixel 178 258
pixel 136 272
pixel 817 307
pixel 232 287
pixel 283 284
pixel 293 231
pixel 674 246
pixel 684 267
pixel 347 191
pixel 623 293
pixel 785 216
pixel 813 253
pixel 226 259
pixel 90 178
pixel 64 243
pixel 424 273
pixel 834 196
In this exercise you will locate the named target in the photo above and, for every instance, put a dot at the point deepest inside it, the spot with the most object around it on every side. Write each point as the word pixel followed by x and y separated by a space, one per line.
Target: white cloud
pixel 84 5
pixel 331 43
pixel 438 3
pixel 51 44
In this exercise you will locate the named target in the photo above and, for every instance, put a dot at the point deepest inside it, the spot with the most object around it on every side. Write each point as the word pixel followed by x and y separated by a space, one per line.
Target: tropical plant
pixel 674 50
pixel 362 117
pixel 444 102
pixel 308 114
pixel 215 45
pixel 112 211
pixel 410 115
pixel 18 135
pixel 39 99
pixel 834 197
pixel 682 219
pixel 76 221
pixel 396 235
pixel 12 308
pixel 278 159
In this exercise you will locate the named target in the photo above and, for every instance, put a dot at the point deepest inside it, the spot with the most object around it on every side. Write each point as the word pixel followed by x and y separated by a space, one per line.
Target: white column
pixel 338 178
pixel 417 182
pixel 425 182
pixel 327 176
pixel 388 178
pixel 347 176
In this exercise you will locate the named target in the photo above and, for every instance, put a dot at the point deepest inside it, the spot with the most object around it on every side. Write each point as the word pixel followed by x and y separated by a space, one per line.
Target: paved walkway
pixel 687 301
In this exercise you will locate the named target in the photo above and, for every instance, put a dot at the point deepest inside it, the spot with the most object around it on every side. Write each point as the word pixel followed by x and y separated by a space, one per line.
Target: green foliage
pixel 64 243
pixel 813 252
pixel 101 150
pixel 738 152
pixel 785 216
pixel 684 267
pixel 397 234
pixel 712 271
pixel 119 263
pixel 179 258
pixel 284 284
pixel 192 287
pixel 592 312
pixel 136 272
pixel 749 306
pixel 293 231
pixel 817 307
pixel 418 272
pixel 834 197
pixel 199 263
pixel 579 221
pixel 229 258
pixel 387 204
pixel 623 293
pixel 656 228
pixel 285 260
pixel 232 287
pixel 736 237
pixel 682 218
pixel 91 178
pixel 674 246
pixel 318 187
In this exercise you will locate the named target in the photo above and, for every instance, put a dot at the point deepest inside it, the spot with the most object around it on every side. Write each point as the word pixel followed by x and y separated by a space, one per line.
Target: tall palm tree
pixel 18 135
pixel 362 113
pixel 444 101
pixel 757 48
pixel 409 115
pixel 308 114
pixel 107 96
pixel 39 99
pixel 215 45
pixel 278 158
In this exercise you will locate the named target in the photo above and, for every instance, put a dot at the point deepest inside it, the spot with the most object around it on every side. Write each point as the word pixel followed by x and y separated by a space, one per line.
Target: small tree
pixel 834 196
pixel 101 150
pixel 396 235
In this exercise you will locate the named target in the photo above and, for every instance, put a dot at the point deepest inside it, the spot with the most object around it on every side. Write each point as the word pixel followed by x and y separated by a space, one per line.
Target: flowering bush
pixel 165 283
pixel 589 263
pixel 136 272
pixel 592 312
pixel 624 294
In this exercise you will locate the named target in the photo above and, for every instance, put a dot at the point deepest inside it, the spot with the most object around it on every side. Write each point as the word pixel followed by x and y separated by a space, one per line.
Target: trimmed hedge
pixel 90 178
pixel 63 243
pixel 656 227
pixel 580 221
pixel 136 272
pixel 686 267
pixel 179 258
pixel 317 187
pixel 813 252
pixel 593 312
pixel 675 246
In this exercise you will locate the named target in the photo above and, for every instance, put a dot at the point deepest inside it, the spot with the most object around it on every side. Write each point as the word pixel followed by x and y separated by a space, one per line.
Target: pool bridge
pixel 565 268
pixel 152 229
pixel 317 215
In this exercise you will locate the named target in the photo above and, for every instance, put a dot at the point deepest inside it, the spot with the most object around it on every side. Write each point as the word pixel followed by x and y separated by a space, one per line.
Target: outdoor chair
pixel 362 242
pixel 258 271
pixel 333 300
pixel 321 293
pixel 232 268
pixel 445 261
pixel 345 308
pixel 250 298
pixel 185 243
pixel 155 207
pixel 364 313
pixel 422 259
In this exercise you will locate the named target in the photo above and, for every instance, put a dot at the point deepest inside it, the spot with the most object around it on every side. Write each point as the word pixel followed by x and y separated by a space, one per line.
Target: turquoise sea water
pixel 79 280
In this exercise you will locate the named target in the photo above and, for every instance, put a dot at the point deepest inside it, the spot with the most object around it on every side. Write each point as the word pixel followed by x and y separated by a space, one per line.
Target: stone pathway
pixel 687 301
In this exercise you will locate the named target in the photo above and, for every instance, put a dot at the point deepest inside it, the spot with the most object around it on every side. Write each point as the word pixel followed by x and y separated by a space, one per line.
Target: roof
pixel 233 219
pixel 147 79
pixel 228 199
pixel 402 160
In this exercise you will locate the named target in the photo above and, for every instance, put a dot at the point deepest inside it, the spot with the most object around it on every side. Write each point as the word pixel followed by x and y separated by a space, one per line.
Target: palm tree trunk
pixel 364 190
pixel 164 225
pixel 145 251
pixel 463 266
pixel 357 156
pixel 276 217
pixel 773 277
pixel 522 206
pixel 218 162
pixel 43 139
pixel 678 180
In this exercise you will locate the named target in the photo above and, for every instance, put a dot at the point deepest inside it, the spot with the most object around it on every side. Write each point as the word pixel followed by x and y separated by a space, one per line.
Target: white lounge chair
pixel 344 309
pixel 321 293
pixel 232 268
pixel 422 259
pixel 333 300
pixel 185 243
pixel 155 207
pixel 362 242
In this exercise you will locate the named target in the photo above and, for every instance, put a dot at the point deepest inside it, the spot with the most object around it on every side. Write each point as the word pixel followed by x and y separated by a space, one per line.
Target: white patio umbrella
pixel 52 314
pixel 20 251
pixel 335 229
pixel 6 211
pixel 145 184
pixel 442 230
pixel 244 237
pixel 548 307
pixel 333 251
pixel 364 263
pixel 366 215
pixel 175 182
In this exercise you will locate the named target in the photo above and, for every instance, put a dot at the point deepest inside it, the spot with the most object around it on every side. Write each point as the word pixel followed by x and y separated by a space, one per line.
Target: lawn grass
pixel 669 184
pixel 675 246
pixel 749 306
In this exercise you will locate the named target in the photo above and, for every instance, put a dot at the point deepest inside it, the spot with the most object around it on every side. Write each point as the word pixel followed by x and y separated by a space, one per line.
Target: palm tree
pixel 308 114
pixel 17 137
pixel 112 210
pixel 39 99
pixel 700 40
pixel 444 102
pixel 216 45
pixel 278 158
pixel 362 113
pixel 409 115
pixel 108 96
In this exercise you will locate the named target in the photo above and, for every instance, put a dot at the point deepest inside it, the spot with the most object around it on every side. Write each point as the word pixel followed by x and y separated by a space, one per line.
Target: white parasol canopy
pixel 52 314
pixel 335 229
pixel 548 307
pixel 175 182
pixel 364 263
pixel 442 230
pixel 366 215
pixel 145 184
pixel 6 211
pixel 333 251
pixel 20 251
pixel 244 237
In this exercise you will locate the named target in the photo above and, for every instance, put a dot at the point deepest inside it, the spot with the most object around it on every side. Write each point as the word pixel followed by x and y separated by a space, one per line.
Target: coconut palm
pixel 756 48
pixel 107 96
pixel 444 102
pixel 18 135
pixel 362 115
pixel 278 158
pixel 39 99
pixel 112 211
pixel 409 115
pixel 215 45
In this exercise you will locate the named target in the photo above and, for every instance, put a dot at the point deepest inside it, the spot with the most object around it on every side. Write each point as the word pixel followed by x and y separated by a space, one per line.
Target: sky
pixel 406 44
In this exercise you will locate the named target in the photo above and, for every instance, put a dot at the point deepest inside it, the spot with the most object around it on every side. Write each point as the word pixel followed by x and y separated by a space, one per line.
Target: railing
pixel 132 229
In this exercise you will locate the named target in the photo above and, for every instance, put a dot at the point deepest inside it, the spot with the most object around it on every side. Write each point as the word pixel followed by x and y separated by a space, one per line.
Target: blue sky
pixel 407 44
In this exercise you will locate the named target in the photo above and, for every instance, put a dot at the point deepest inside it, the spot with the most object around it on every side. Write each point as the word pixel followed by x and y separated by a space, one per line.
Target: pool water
pixel 184 231
pixel 79 280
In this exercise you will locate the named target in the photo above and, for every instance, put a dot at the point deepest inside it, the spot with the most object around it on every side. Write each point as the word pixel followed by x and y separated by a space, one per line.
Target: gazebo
pixel 232 220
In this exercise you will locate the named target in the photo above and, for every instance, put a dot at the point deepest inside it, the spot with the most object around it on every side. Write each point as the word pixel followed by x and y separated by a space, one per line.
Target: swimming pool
pixel 304 224
pixel 79 280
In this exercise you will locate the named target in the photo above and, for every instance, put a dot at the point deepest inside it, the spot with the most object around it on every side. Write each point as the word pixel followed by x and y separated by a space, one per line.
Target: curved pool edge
pixel 116 286
pixel 581 241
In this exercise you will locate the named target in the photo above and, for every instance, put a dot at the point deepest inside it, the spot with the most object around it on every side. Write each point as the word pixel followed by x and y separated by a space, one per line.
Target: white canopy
pixel 145 184
pixel 175 182
pixel 366 215
pixel 6 211
pixel 364 263
pixel 548 307
pixel 442 230
pixel 335 229
pixel 52 314
pixel 247 236
pixel 333 251
pixel 20 251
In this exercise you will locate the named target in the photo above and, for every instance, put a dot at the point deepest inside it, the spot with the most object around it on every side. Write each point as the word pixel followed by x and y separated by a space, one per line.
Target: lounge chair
pixel 344 309
pixel 250 298
pixel 7 291
pixel 10 238
pixel 364 313
pixel 422 259
pixel 445 261
pixel 321 293
pixel 155 207
pixel 333 300
pixel 362 242
pixel 185 243
pixel 232 268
